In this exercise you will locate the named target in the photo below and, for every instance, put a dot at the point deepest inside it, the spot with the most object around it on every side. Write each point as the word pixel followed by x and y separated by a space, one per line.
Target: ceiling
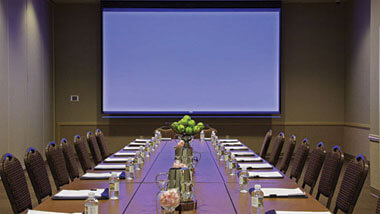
pixel 285 1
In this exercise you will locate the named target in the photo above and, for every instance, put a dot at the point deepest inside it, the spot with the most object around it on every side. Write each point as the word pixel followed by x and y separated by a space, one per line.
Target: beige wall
pixel 313 68
pixel 26 109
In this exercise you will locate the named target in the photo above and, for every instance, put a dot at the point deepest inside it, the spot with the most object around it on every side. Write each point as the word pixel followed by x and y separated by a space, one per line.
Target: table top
pixel 215 190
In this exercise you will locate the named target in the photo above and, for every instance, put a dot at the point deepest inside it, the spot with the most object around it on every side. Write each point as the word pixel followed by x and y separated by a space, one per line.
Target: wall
pixel 26 110
pixel 312 83
pixel 357 77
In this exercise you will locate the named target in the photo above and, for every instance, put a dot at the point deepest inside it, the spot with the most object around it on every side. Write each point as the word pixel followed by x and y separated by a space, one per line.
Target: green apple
pixel 189 130
pixel 191 123
pixel 186 117
pixel 181 128
pixel 197 129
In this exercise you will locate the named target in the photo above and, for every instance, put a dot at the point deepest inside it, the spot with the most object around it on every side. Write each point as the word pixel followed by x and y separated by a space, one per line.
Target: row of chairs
pixel 326 164
pixel 62 163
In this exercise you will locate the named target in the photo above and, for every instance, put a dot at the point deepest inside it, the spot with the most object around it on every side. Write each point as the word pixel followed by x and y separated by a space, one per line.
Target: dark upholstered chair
pixel 94 148
pixel 166 132
pixel 35 166
pixel 313 169
pixel 330 174
pixel 299 160
pixel 13 178
pixel 71 162
pixel 208 130
pixel 82 153
pixel 102 143
pixel 276 149
pixel 265 146
pixel 289 149
pixel 352 183
pixel 57 165
pixel 378 206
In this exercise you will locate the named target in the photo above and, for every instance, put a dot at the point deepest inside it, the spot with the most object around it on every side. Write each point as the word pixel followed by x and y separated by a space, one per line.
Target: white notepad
pixel 125 154
pixel 242 153
pixel 273 174
pixel 228 140
pixel 301 212
pixel 253 159
pixel 142 140
pixel 111 159
pixel 138 143
pixel 79 193
pixel 282 192
pixel 236 147
pixel 110 166
pixel 99 175
pixel 255 165
pixel 231 143
pixel 166 138
pixel 131 148
pixel 207 138
pixel 46 212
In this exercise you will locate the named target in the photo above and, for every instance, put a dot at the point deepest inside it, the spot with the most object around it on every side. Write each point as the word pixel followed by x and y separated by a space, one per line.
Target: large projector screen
pixel 197 61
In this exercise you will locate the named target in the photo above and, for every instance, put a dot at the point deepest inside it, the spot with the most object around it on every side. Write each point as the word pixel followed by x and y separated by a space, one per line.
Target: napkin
pixel 46 212
pixel 248 159
pixel 125 154
pixel 255 166
pixel 112 159
pixel 100 176
pixel 101 194
pixel 282 192
pixel 273 174
pixel 110 166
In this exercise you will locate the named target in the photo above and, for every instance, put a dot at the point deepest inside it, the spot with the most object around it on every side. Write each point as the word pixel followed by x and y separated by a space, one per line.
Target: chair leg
pixel 329 202
pixel 335 210
pixel 318 194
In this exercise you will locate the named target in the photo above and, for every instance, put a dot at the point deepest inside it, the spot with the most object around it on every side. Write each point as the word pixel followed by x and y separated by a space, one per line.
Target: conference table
pixel 215 190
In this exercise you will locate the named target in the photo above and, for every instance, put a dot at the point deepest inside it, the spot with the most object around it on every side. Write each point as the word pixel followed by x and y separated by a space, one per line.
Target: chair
pixel 82 152
pixel 289 149
pixel 352 183
pixel 313 169
pixel 276 149
pixel 265 146
pixel 208 131
pixel 13 178
pixel 56 161
pixel 166 132
pixel 378 206
pixel 94 148
pixel 330 174
pixel 71 162
pixel 35 166
pixel 102 143
pixel 299 160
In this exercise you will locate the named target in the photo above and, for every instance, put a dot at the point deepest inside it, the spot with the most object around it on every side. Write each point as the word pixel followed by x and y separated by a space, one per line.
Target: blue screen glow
pixel 191 61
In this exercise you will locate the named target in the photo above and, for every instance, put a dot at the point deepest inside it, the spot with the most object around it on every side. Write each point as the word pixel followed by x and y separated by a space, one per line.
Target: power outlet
pixel 74 98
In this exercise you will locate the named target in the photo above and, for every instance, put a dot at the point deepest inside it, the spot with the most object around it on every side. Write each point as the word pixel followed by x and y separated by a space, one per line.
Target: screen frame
pixel 190 5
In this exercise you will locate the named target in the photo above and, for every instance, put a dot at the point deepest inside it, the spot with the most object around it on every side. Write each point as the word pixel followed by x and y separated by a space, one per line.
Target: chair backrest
pixel 352 183
pixel 36 168
pixel 208 131
pixel 57 165
pixel 289 149
pixel 82 153
pixel 276 149
pixel 313 169
pixel 102 143
pixel 166 132
pixel 94 148
pixel 378 206
pixel 71 162
pixel 13 178
pixel 299 160
pixel 330 173
pixel 265 146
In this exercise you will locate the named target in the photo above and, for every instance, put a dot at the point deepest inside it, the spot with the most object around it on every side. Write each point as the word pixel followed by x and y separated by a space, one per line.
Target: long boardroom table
pixel 215 190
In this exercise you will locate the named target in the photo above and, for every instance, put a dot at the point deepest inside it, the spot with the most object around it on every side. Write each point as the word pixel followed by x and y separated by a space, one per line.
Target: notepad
pixel 282 192
pixel 236 147
pixel 112 159
pixel 99 175
pixel 143 140
pixel 301 212
pixel 231 144
pixel 228 140
pixel 166 138
pixel 243 153
pixel 47 212
pixel 273 174
pixel 137 143
pixel 131 148
pixel 255 166
pixel 248 159
pixel 125 154
pixel 207 138
pixel 78 194
pixel 110 166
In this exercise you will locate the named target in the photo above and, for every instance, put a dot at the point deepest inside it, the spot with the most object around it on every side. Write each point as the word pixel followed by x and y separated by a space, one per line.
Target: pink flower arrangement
pixel 169 198
pixel 180 144
pixel 178 164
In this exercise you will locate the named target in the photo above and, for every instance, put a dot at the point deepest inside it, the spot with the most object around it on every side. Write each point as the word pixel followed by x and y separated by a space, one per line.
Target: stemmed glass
pixel 162 180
